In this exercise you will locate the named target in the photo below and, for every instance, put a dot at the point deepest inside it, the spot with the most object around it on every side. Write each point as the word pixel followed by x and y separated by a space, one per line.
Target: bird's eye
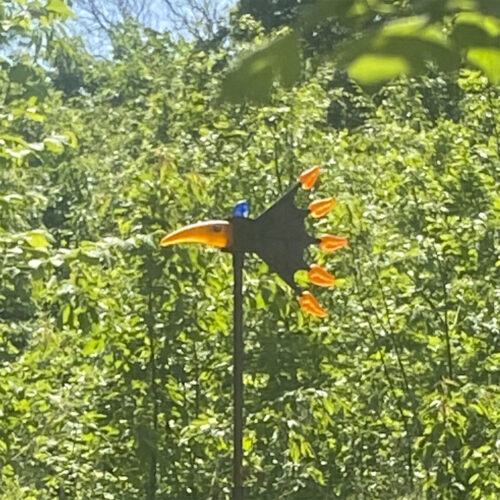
pixel 217 229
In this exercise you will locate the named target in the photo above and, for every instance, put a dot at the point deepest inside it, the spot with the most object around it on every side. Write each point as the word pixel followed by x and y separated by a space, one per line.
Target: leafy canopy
pixel 115 354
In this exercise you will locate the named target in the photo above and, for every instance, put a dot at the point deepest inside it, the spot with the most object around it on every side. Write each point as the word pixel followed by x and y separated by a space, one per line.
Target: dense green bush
pixel 115 355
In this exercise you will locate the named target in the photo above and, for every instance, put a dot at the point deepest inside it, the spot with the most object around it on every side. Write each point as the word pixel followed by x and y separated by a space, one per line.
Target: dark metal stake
pixel 238 350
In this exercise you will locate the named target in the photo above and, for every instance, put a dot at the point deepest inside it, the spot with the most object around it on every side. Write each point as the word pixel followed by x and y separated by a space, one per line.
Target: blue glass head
pixel 241 209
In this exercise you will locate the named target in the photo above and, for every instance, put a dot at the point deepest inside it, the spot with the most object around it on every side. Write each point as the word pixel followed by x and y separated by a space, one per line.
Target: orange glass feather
pixel 320 276
pixel 310 305
pixel 308 177
pixel 330 243
pixel 319 208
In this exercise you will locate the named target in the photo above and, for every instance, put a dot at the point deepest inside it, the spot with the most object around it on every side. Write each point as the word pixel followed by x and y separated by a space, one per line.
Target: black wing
pixel 281 238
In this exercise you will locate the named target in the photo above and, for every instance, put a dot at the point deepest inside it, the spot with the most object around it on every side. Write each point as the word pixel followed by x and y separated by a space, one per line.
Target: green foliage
pixel 375 41
pixel 115 354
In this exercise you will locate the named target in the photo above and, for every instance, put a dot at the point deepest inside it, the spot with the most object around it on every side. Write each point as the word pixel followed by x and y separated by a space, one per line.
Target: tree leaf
pixel 255 74
pixel 373 68
pixel 488 59
pixel 37 239
pixel 60 7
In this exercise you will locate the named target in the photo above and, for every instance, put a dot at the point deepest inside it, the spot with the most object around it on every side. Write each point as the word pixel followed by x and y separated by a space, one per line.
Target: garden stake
pixel 279 237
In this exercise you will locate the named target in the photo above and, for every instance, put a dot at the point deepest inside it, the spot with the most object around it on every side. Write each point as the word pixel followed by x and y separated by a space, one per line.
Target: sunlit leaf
pixel 488 59
pixel 37 239
pixel 60 7
pixel 370 69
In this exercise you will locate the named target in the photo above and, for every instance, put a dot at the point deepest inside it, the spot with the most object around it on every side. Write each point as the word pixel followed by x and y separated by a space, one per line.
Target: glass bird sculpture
pixel 278 236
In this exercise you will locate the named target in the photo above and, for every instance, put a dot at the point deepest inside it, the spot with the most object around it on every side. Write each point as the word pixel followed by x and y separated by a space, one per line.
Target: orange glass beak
pixel 310 305
pixel 330 243
pixel 319 208
pixel 320 276
pixel 217 233
pixel 308 177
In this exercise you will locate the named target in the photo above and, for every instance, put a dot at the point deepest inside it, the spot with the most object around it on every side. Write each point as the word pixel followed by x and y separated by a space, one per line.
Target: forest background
pixel 115 354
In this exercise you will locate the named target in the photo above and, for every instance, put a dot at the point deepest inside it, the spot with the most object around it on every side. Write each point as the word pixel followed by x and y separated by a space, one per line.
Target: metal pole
pixel 238 350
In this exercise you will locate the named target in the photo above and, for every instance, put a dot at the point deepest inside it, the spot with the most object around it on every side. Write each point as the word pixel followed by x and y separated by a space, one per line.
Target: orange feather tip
pixel 308 177
pixel 319 276
pixel 319 208
pixel 330 243
pixel 310 305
